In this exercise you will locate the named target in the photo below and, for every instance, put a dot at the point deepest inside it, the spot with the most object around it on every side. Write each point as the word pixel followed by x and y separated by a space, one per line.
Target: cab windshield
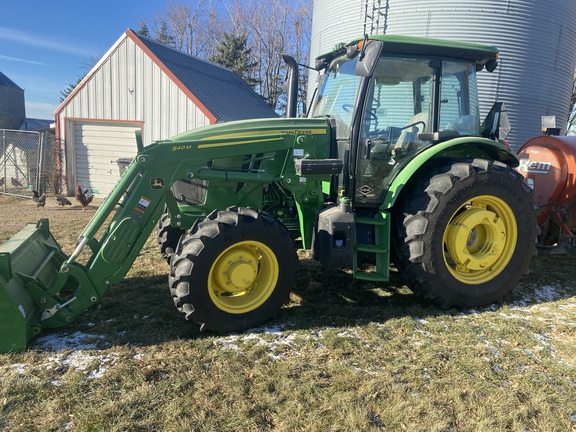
pixel 337 95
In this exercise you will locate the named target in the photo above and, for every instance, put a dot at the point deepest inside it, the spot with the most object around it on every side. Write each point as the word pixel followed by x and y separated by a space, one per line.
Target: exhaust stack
pixel 290 86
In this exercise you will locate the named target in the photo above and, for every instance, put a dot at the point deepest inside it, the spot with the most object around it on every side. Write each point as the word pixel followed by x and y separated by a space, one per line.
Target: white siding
pixel 128 86
pixel 97 148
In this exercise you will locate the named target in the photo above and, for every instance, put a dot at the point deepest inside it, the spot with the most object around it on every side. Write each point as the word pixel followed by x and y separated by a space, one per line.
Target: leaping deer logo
pixel 157 183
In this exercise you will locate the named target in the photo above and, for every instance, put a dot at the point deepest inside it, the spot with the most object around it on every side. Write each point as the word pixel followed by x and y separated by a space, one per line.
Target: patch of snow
pixel 348 333
pixel 277 341
pixel 226 344
pixel 539 295
pixel 420 320
pixel 529 353
pixel 495 351
pixel 546 294
pixel 80 361
pixel 99 373
pixel 19 368
pixel 545 340
pixel 277 329
pixel 77 340
pixel 424 333
pixel 75 360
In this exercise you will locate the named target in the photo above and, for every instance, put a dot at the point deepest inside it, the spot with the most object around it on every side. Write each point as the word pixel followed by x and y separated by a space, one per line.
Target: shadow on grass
pixel 139 311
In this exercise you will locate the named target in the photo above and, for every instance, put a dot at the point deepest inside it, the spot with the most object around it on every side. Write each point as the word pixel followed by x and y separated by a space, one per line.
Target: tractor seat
pixel 409 134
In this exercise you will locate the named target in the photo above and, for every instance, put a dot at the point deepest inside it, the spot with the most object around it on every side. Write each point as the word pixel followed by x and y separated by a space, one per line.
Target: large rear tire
pixel 468 234
pixel 233 270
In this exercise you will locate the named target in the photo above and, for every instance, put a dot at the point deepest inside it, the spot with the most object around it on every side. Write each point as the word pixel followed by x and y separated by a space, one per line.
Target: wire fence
pixel 28 161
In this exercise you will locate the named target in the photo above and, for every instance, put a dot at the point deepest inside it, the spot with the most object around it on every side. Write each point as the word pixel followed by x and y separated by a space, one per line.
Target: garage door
pixel 99 147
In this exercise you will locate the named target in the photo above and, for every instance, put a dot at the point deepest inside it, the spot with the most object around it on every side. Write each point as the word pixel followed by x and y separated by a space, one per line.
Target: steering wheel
pixel 401 147
pixel 411 125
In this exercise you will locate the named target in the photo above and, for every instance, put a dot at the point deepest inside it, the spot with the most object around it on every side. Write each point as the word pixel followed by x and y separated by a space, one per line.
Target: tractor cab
pixel 390 98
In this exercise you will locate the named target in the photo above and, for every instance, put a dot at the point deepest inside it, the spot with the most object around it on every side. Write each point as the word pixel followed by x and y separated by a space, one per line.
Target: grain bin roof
pixel 7 82
pixel 219 90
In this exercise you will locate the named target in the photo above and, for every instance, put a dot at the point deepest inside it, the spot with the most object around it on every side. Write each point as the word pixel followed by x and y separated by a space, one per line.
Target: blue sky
pixel 43 44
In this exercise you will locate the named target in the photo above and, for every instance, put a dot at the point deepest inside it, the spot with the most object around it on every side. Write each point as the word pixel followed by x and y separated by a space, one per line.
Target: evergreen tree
pixel 64 93
pixel 143 30
pixel 232 53
pixel 164 35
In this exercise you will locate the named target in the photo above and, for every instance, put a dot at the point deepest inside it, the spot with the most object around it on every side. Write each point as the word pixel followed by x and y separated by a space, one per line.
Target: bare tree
pixel 302 34
pixel 192 26
pixel 273 28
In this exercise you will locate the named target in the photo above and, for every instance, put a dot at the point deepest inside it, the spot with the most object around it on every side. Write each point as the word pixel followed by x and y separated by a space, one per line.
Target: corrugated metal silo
pixel 12 111
pixel 537 46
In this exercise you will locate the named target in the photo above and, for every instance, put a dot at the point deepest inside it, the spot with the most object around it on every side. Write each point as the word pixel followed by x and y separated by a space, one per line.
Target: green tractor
pixel 392 165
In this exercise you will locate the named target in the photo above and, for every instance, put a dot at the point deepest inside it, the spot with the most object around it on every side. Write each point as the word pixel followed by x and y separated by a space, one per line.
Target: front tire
pixel 167 236
pixel 234 270
pixel 469 234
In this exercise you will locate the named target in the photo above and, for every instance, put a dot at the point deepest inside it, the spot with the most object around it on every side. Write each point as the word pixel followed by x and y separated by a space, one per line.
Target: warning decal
pixel 141 207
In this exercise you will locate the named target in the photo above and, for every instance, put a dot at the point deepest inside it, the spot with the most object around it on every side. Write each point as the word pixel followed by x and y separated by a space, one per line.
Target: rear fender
pixel 455 149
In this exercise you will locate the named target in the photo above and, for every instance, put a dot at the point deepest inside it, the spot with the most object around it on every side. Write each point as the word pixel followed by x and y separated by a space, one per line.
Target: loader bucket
pixel 29 263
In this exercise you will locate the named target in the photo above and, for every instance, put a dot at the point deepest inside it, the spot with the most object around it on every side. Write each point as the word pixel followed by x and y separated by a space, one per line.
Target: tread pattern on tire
pixel 416 259
pixel 167 236
pixel 190 260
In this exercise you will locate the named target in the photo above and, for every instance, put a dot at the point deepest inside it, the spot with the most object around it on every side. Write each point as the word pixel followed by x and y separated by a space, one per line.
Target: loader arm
pixel 41 287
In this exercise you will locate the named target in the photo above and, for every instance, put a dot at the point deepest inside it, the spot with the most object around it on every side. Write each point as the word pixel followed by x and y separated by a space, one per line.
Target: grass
pixel 344 355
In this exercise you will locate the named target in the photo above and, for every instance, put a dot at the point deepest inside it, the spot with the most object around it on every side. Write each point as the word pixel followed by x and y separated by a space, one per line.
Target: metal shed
pixel 141 84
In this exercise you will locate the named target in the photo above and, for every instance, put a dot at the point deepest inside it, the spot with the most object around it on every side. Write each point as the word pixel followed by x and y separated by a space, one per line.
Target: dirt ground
pixel 16 212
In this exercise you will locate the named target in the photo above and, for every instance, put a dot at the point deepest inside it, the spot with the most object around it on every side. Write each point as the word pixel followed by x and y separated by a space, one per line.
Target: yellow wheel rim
pixel 480 240
pixel 243 277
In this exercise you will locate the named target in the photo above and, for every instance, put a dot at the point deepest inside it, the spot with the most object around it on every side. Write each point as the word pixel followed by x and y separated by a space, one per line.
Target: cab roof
pixel 423 46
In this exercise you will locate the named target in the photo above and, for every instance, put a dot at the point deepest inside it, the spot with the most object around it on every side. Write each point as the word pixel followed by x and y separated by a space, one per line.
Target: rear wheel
pixel 233 270
pixel 468 234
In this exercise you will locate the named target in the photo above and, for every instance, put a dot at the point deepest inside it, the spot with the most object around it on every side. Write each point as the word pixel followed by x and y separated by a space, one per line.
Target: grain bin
pixel 12 112
pixel 537 46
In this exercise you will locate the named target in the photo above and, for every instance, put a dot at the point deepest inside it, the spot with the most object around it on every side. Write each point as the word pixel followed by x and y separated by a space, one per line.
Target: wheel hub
pixel 240 275
pixel 236 270
pixel 475 239
pixel 243 277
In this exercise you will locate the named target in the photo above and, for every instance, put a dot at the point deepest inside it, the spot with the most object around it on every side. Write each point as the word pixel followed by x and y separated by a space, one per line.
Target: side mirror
pixel 491 65
pixel 368 58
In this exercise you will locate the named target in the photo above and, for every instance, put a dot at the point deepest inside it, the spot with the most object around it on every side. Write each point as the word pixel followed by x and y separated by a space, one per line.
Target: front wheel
pixel 468 234
pixel 167 236
pixel 234 270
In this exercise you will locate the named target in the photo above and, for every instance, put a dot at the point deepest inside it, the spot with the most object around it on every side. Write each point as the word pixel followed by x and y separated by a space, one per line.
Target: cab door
pixel 397 109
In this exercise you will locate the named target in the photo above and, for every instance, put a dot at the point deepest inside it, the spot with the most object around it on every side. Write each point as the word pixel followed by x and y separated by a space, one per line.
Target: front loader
pixel 391 166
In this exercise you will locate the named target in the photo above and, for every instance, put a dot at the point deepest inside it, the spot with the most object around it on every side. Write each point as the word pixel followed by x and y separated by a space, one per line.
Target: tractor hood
pixel 259 129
